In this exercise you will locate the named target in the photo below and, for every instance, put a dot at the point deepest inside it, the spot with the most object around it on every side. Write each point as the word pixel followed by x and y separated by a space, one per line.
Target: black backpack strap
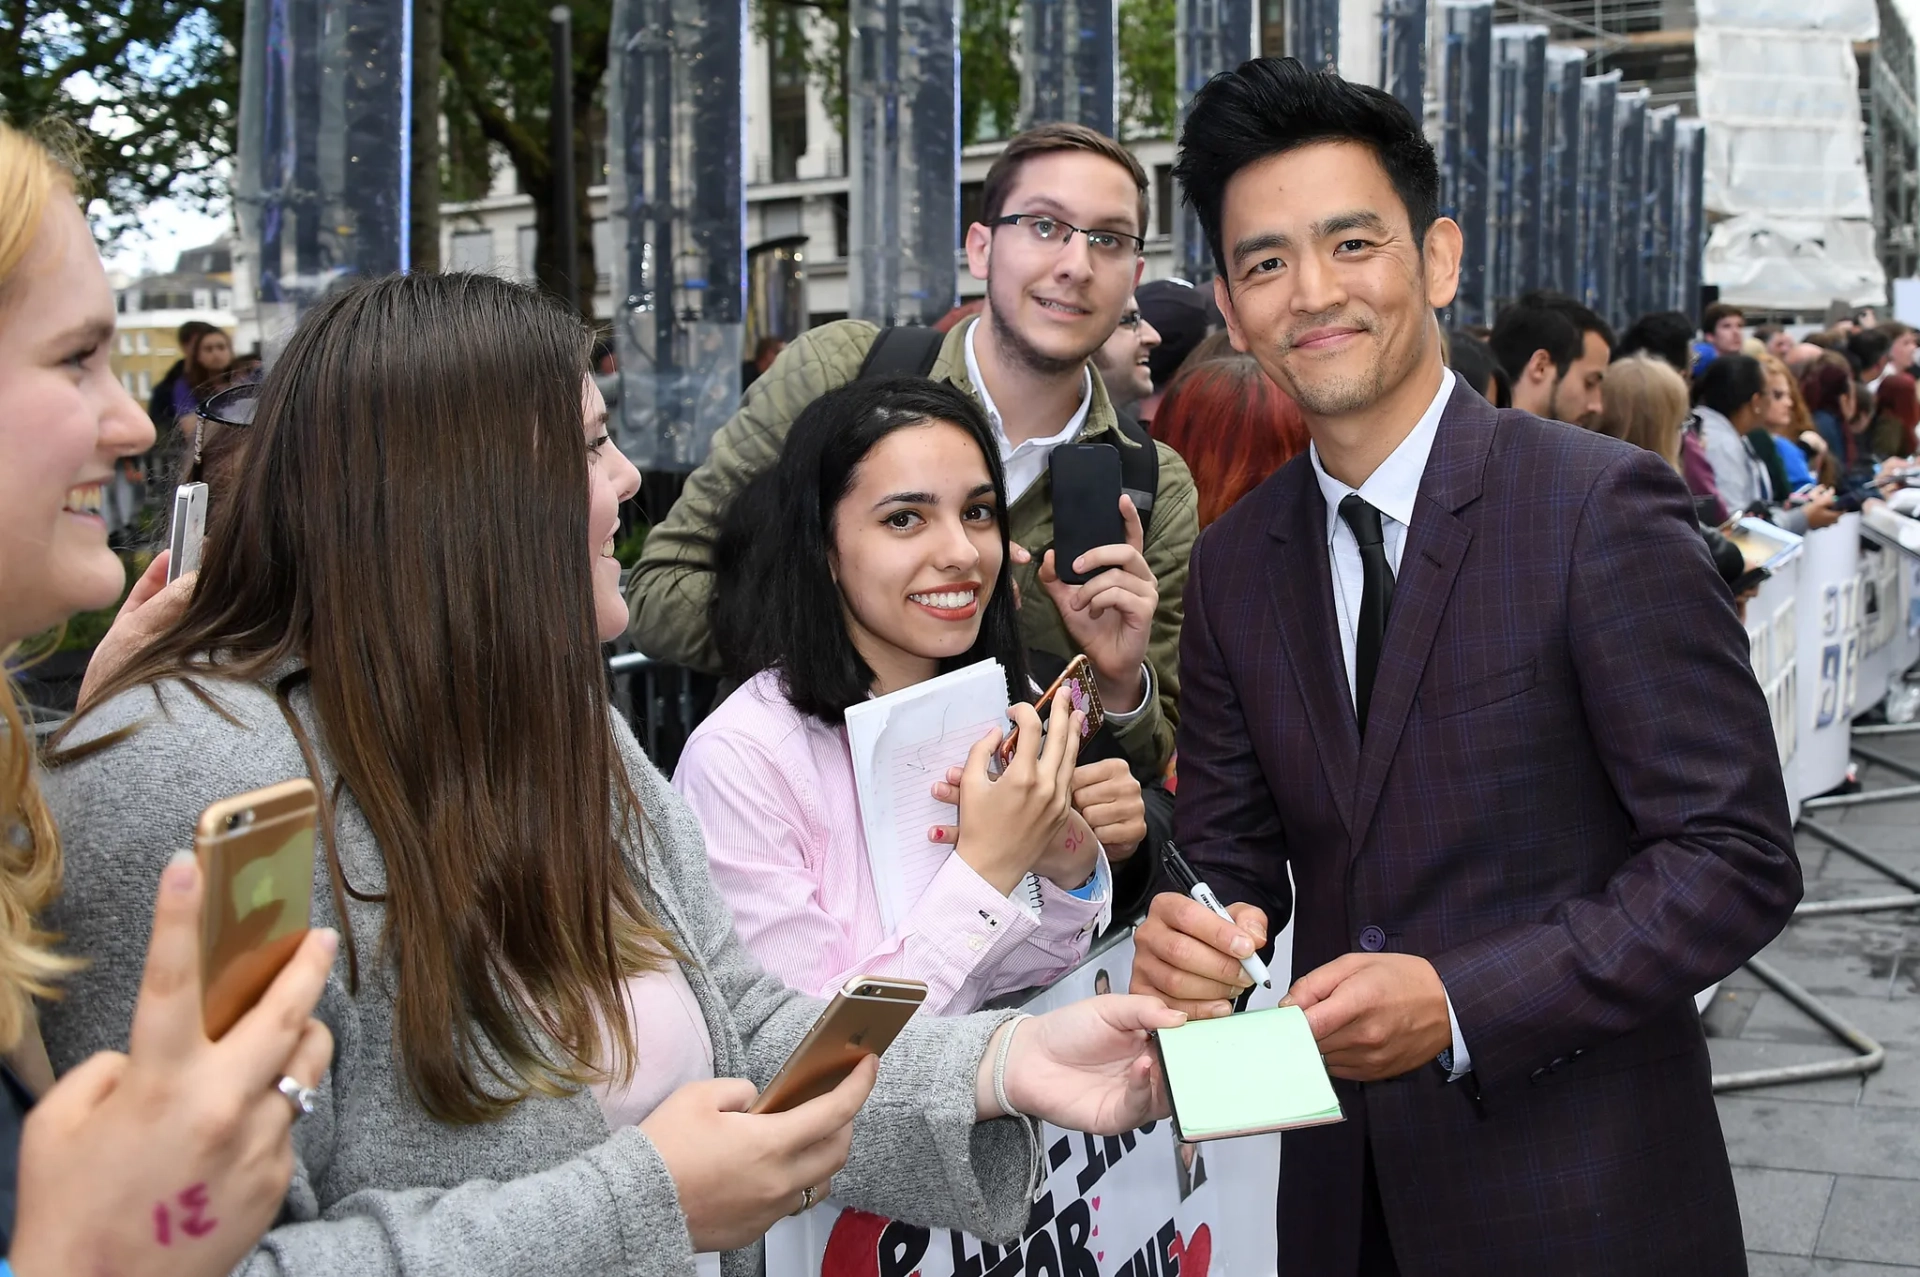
pixel 902 352
pixel 1139 466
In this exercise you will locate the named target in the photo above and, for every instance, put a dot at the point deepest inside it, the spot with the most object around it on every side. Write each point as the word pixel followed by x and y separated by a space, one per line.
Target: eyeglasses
pixel 1055 233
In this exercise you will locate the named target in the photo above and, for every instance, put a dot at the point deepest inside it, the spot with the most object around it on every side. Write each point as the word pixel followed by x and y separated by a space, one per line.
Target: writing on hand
pixel 191 1203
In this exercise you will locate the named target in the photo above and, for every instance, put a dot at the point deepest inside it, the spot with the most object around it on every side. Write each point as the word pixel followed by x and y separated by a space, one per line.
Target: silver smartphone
pixel 189 529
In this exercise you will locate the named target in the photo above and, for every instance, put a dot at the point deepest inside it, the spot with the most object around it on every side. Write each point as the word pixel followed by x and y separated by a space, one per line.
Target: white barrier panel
pixel 1828 657
pixel 1897 590
pixel 1138 1205
pixel 1877 586
pixel 1773 631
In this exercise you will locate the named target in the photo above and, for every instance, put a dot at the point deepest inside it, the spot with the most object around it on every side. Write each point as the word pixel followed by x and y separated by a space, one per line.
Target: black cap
pixel 1183 315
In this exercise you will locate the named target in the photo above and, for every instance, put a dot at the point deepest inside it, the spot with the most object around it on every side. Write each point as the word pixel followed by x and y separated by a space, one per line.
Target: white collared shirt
pixel 1026 462
pixel 1391 489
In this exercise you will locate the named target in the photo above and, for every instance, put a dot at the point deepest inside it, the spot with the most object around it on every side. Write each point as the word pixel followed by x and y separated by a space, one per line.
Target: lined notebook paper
pixel 1246 1074
pixel 901 744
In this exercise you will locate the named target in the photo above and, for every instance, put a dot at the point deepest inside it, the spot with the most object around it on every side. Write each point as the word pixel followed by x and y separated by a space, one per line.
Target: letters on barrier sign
pixel 1139 1204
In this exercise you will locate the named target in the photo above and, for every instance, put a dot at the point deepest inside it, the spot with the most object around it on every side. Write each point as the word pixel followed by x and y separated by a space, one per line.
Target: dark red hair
pixel 1232 425
pixel 1823 385
pixel 1900 400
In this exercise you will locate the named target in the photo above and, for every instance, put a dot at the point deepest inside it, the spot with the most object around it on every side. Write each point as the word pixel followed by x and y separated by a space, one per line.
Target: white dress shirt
pixel 1391 489
pixel 1026 462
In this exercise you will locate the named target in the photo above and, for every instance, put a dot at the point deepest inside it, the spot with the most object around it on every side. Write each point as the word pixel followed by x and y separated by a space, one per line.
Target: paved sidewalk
pixel 1829 1172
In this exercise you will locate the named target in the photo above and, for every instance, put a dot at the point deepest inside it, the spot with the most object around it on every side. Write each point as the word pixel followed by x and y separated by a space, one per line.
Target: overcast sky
pixel 165 229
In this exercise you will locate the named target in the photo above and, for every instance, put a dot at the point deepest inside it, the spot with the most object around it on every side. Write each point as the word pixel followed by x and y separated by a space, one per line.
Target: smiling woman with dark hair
pixel 872 557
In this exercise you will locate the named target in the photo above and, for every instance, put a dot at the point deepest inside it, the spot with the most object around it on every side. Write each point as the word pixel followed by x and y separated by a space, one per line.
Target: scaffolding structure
pixel 1893 140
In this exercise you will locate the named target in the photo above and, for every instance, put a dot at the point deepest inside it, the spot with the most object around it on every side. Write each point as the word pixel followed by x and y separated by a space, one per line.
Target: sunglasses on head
pixel 233 406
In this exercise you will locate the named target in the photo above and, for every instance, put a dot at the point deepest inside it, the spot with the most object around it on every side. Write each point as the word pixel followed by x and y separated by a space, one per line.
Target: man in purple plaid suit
pixel 1470 675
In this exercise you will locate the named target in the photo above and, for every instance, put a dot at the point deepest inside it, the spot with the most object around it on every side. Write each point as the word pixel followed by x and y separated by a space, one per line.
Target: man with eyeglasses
pixel 1059 245
pixel 1122 360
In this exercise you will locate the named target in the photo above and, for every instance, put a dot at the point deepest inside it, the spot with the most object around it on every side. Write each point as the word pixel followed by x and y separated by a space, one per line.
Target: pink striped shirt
pixel 773 789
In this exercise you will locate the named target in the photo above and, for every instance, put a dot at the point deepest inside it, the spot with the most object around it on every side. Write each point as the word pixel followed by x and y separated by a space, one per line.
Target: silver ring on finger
pixel 301 1097
pixel 808 1197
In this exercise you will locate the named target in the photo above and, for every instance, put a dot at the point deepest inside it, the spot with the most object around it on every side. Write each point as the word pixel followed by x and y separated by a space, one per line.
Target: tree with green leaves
pixel 989 73
pixel 1148 79
pixel 499 78
pixel 151 84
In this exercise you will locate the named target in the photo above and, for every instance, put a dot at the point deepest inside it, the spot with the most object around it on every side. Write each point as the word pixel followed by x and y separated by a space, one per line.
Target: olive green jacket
pixel 670 591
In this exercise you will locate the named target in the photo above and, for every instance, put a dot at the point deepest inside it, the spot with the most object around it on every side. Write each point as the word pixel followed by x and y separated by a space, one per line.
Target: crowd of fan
pixel 395 602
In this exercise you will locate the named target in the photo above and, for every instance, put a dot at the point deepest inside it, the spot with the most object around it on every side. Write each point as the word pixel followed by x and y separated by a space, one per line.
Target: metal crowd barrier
pixel 662 702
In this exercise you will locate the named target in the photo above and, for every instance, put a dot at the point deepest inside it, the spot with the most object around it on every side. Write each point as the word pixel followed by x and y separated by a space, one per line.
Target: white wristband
pixel 1000 1067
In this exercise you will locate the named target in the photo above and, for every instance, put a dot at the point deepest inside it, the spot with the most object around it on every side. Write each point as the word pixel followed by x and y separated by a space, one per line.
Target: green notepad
pixel 1246 1074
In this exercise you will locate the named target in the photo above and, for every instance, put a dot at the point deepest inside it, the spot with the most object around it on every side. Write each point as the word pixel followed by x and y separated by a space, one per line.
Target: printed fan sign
pixel 1134 1205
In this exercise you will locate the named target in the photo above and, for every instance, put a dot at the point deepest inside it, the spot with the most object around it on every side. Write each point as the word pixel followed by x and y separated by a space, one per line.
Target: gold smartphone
pixel 863 1019
pixel 256 857
pixel 1077 682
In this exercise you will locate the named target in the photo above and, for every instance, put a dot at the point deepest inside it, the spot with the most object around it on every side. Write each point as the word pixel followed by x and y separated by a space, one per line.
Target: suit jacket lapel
pixel 1436 546
pixel 1302 600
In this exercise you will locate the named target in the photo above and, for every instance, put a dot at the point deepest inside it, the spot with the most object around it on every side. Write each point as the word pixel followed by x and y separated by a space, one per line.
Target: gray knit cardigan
pixel 381 1187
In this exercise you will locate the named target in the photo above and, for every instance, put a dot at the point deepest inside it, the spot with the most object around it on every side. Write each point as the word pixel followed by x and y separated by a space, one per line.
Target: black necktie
pixel 1376 596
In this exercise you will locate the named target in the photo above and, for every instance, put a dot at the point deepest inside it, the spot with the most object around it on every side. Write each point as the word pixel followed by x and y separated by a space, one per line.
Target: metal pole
pixel 1887 729
pixel 1879 759
pixel 1855 800
pixel 1840 842
pixel 566 230
pixel 1861 904
pixel 1870 1055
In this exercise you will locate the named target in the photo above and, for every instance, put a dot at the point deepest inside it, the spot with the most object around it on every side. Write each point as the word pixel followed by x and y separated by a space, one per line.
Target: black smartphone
pixel 1086 504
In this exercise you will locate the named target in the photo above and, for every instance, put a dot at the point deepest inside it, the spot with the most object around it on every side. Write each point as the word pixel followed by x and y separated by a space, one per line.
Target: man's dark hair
pixel 1869 346
pixel 1729 383
pixel 776 605
pixel 1665 334
pixel 1271 106
pixel 1711 317
pixel 1548 321
pixel 1044 139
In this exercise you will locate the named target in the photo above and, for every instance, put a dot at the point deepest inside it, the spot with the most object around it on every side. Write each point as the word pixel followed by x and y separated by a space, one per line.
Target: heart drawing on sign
pixel 1195 1254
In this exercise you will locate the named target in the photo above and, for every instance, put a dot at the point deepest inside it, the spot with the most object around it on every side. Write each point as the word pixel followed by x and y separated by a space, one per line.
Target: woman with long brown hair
pixel 178 1129
pixel 542 996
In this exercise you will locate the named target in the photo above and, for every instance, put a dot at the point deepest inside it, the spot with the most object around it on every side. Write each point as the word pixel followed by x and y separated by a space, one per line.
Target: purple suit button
pixel 1372 939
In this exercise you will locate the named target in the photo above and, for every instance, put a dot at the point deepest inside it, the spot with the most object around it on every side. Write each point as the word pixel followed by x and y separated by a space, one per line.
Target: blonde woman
pixel 174 1157
pixel 1645 404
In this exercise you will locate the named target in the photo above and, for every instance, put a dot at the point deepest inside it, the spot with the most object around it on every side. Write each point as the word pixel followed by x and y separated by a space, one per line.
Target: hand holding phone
pixel 1086 504
pixel 736 1173
pixel 256 853
pixel 863 1019
pixel 189 530
pixel 1076 683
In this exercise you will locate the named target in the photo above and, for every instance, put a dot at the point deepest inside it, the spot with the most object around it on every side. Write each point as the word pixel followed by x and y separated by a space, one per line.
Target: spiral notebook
pixel 1246 1074
pixel 901 744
